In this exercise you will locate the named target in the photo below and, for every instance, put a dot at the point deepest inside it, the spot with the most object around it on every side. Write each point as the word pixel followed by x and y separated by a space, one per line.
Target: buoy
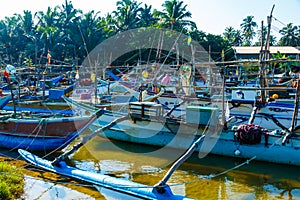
pixel 145 74
pixel 237 152
pixel 275 96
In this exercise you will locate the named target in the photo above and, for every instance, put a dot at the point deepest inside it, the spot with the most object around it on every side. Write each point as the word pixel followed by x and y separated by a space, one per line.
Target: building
pixel 252 52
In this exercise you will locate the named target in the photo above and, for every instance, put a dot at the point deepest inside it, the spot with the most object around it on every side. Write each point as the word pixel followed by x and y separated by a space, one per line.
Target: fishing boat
pixel 148 124
pixel 42 131
pixel 40 106
pixel 51 104
pixel 123 187
pixel 280 108
pixel 40 95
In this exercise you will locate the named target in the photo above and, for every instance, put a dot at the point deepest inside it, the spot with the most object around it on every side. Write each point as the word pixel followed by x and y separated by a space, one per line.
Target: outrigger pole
pixel 87 138
pixel 162 183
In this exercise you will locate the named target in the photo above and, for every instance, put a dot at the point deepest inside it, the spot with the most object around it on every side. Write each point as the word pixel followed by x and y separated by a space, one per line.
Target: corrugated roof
pixel 273 49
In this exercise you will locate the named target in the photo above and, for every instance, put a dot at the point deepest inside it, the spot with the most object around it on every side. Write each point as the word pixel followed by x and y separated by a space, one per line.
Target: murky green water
pixel 196 178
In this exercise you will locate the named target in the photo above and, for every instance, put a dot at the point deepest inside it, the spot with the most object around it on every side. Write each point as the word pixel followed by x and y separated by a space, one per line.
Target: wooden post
pixel 44 85
pixel 296 105
pixel 223 89
pixel 10 84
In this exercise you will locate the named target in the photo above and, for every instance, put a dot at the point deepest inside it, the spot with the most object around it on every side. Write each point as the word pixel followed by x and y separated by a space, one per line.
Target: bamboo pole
pixel 296 105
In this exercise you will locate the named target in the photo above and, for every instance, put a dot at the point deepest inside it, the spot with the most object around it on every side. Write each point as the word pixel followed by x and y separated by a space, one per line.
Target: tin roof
pixel 273 49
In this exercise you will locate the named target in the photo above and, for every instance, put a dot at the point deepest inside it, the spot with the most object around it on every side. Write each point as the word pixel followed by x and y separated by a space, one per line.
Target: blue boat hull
pixel 122 186
pixel 36 143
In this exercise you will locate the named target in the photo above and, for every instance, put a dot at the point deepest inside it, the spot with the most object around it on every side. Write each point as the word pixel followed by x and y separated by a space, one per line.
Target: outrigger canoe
pixel 121 186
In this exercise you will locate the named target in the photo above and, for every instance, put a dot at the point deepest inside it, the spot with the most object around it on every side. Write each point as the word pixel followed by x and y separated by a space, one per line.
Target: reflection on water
pixel 196 178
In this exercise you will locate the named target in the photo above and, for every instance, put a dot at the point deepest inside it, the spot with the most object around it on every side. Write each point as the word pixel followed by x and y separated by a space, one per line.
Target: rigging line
pixel 248 160
pixel 29 136
pixel 233 168
pixel 149 55
pixel 85 46
pixel 280 21
pixel 220 57
pixel 275 28
pixel 158 71
pixel 55 150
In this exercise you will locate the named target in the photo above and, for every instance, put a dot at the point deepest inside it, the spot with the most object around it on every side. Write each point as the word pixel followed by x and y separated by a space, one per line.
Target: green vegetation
pixel 11 181
pixel 71 34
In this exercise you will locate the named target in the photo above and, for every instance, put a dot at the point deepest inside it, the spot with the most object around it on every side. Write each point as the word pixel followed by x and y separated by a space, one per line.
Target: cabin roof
pixel 273 49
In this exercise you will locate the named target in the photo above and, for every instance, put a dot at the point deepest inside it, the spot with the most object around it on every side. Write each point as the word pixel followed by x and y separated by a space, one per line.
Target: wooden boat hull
pixel 122 186
pixel 40 107
pixel 41 134
pixel 36 144
pixel 155 134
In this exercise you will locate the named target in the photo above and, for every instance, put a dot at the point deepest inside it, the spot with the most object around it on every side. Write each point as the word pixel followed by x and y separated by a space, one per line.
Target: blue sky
pixel 211 16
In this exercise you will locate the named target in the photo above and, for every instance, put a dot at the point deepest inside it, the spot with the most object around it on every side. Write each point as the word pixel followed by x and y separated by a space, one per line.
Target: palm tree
pixel 290 36
pixel 90 32
pixel 48 31
pixel 26 23
pixel 262 33
pixel 238 38
pixel 272 40
pixel 234 37
pixel 146 17
pixel 11 39
pixel 70 17
pixel 174 15
pixel 229 33
pixel 248 26
pixel 127 15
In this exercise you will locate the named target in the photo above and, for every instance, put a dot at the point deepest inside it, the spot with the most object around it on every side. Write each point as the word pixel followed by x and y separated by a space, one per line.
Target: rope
pixel 231 169
pixel 159 70
pixel 284 24
pixel 28 136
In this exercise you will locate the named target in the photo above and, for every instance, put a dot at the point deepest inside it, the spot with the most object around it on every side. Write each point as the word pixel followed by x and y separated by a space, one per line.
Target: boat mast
pixel 264 55
pixel 223 88
pixel 296 104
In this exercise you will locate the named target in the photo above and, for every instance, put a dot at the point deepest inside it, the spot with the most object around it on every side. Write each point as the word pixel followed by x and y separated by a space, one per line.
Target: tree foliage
pixel 69 34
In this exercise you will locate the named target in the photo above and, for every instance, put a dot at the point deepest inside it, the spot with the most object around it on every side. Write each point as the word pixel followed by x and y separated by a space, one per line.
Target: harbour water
pixel 212 177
